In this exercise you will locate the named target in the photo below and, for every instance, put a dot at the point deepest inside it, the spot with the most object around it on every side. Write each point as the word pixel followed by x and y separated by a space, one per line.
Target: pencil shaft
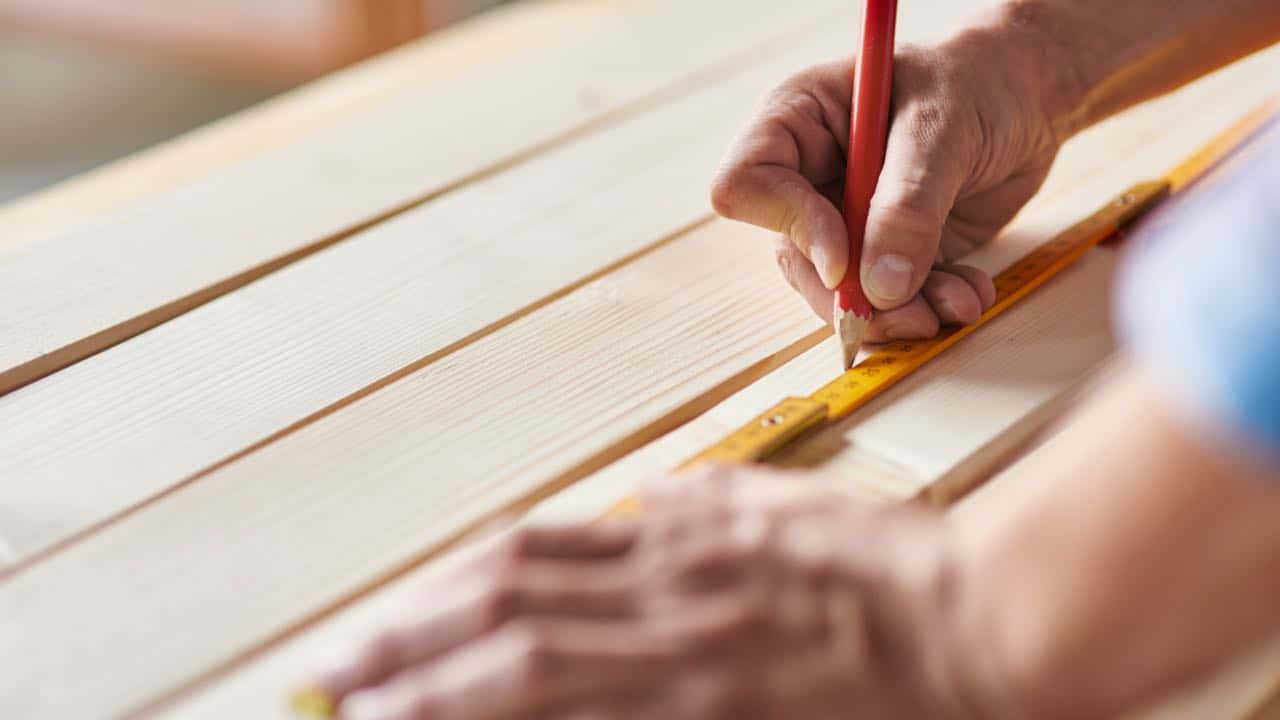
pixel 868 136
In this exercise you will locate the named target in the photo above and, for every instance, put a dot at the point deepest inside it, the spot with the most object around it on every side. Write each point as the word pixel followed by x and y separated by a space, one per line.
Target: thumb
pixel 914 195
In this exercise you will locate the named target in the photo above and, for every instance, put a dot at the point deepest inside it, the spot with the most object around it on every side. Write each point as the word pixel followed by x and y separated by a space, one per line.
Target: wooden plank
pixel 254 690
pixel 103 436
pixel 342 505
pixel 970 397
pixel 258 688
pixel 323 476
pixel 269 539
pixel 293 116
pixel 112 277
pixel 131 422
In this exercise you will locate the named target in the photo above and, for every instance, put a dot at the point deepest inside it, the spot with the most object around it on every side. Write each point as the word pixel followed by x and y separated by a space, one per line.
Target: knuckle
pixel 905 225
pixel 533 648
pixel 751 617
pixel 502 597
pixel 724 192
pixel 788 223
pixel 783 256
pixel 384 651
pixel 520 541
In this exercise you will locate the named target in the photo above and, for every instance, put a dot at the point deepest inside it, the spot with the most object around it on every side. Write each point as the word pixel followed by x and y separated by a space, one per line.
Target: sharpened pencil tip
pixel 850 329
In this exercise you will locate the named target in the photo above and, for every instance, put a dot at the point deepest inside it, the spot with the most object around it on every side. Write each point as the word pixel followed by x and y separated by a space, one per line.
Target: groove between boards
pixel 377 385
pixel 68 355
pixel 671 421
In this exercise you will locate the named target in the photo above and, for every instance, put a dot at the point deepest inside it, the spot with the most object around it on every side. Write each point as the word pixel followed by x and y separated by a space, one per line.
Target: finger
pixel 528 588
pixel 979 280
pixel 952 298
pixel 912 321
pixel 801 276
pixel 585 541
pixel 913 197
pixel 780 199
pixel 628 706
pixel 519 671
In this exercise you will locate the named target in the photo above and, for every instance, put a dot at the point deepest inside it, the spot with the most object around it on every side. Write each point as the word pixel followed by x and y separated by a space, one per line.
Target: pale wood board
pixel 255 689
pixel 276 536
pixel 295 496
pixel 106 434
pixel 291 116
pixel 132 421
pixel 116 275
pixel 1029 331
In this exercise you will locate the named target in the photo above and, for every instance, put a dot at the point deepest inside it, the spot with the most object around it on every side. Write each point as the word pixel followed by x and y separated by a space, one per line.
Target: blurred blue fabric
pixel 1199 299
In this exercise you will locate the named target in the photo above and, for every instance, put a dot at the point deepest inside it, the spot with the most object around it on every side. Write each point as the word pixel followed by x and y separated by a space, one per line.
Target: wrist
pixel 957 638
pixel 923 609
pixel 1002 612
pixel 1041 46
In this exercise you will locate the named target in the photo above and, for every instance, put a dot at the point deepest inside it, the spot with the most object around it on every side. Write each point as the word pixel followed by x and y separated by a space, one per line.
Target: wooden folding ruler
pixel 794 417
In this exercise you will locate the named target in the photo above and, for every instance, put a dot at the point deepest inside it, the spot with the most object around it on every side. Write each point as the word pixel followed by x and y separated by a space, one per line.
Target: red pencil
pixel 868 134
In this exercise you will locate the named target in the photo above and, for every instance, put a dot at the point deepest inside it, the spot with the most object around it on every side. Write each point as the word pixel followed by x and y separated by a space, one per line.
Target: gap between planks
pixel 335 327
pixel 250 693
pixel 607 338
pixel 346 438
pixel 353 442
pixel 1161 159
pixel 376 169
pixel 78 431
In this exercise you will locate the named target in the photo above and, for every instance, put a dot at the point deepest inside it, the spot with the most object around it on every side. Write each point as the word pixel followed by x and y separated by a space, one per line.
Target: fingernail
pixel 822 261
pixel 890 278
pixel 947 312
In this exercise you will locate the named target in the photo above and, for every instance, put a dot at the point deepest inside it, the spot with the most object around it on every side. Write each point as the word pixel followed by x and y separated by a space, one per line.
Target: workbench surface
pixel 253 380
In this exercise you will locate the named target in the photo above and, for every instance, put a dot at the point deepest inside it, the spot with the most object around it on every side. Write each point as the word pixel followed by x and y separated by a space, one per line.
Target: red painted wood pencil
pixel 868 135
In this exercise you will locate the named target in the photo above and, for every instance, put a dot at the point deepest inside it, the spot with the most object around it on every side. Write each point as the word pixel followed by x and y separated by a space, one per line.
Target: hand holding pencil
pixel 965 151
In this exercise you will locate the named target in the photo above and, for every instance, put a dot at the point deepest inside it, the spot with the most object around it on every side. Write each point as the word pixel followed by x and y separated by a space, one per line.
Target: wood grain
pixel 133 421
pixel 262 547
pixel 877 464
pixel 113 277
pixel 261 544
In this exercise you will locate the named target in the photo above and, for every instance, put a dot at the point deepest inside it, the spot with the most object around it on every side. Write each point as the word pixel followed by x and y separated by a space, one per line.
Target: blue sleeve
pixel 1199 298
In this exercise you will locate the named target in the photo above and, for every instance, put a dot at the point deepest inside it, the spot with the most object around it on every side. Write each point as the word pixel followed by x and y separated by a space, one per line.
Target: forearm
pixel 1141 558
pixel 1093 58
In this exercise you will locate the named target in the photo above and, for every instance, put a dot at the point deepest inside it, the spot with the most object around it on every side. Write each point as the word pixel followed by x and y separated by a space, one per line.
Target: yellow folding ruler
pixel 795 416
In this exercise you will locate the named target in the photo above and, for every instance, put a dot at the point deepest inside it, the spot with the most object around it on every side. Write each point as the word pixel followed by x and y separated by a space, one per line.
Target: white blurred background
pixel 83 82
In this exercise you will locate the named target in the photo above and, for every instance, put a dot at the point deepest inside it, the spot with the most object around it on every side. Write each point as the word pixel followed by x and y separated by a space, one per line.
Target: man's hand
pixel 971 141
pixel 745 594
